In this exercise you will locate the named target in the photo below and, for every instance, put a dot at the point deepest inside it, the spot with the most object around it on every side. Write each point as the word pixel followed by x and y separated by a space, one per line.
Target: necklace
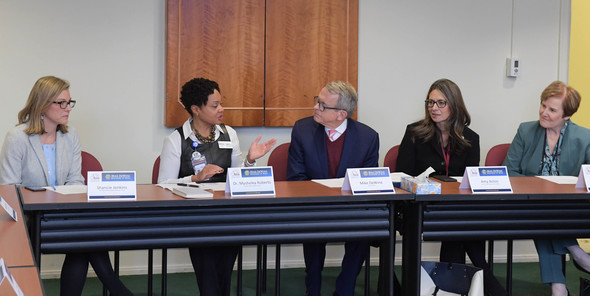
pixel 205 140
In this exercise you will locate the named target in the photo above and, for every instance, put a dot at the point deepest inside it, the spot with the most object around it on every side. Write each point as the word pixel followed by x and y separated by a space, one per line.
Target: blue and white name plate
pixel 112 186
pixel 11 212
pixel 368 181
pixel 486 180
pixel 584 177
pixel 250 181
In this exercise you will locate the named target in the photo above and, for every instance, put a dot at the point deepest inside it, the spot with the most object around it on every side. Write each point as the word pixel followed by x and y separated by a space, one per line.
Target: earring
pixel 42 116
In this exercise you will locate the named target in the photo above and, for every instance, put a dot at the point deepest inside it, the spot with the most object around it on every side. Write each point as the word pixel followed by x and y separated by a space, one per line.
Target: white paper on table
pixel 167 186
pixel 215 186
pixel 332 183
pixel 68 189
pixel 560 179
pixel 459 179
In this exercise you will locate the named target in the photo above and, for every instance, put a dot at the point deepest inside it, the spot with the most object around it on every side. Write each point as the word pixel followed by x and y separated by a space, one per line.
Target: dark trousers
pixel 75 269
pixel 454 251
pixel 213 267
pixel 315 254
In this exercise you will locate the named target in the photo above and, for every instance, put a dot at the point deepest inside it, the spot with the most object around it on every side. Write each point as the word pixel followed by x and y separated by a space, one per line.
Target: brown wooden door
pixel 308 43
pixel 270 59
pixel 222 40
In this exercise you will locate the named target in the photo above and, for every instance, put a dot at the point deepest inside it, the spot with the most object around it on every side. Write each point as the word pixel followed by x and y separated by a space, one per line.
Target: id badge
pixel 224 145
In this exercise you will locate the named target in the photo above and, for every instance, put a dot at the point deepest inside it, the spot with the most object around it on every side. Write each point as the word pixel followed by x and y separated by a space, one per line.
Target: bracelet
pixel 247 163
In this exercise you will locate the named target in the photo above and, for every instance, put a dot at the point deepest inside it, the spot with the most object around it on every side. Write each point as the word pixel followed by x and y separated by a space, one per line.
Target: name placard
pixel 368 181
pixel 11 212
pixel 112 186
pixel 584 177
pixel 486 180
pixel 252 181
pixel 5 274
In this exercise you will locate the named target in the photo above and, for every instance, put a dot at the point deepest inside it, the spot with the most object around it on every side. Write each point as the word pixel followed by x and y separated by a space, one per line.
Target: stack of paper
pixel 191 192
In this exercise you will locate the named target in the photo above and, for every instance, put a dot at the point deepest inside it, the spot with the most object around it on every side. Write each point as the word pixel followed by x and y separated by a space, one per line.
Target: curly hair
pixel 196 92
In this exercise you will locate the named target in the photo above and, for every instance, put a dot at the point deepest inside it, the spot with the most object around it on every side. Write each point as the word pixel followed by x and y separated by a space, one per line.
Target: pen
pixel 187 185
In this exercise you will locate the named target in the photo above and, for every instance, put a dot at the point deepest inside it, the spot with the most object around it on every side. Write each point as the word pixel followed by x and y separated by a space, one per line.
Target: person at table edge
pixel 42 150
pixel 553 146
pixel 322 147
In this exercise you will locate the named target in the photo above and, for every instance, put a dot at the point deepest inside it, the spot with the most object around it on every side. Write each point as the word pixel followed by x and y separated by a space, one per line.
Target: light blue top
pixel 49 150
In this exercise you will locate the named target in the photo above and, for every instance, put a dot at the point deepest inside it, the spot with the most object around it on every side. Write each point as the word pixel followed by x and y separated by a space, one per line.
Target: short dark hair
pixel 196 92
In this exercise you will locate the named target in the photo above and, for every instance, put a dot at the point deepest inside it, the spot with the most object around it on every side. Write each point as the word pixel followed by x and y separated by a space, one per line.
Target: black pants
pixel 75 269
pixel 454 252
pixel 213 267
pixel 315 254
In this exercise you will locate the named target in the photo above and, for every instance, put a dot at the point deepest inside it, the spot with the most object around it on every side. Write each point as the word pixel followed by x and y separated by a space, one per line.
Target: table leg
pixel 412 249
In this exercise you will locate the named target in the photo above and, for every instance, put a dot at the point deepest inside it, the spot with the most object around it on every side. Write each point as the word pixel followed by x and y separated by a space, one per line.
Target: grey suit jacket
pixel 526 151
pixel 22 160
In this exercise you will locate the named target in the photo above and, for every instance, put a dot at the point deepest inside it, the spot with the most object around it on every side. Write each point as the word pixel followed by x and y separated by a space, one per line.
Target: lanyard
pixel 446 155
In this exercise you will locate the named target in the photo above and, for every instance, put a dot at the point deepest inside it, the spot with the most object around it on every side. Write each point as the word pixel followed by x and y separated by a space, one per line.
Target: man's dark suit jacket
pixel 308 158
pixel 415 157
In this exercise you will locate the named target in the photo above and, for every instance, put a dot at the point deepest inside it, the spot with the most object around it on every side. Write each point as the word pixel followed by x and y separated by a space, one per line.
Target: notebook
pixel 191 192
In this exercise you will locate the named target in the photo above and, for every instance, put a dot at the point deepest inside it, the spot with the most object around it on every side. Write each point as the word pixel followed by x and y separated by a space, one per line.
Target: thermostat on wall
pixel 512 67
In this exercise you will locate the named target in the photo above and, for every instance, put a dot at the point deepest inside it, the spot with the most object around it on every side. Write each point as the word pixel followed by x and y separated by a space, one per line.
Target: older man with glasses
pixel 322 147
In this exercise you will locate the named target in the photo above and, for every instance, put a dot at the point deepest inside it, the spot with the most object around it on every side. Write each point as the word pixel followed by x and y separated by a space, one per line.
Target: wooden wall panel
pixel 222 40
pixel 308 43
pixel 270 59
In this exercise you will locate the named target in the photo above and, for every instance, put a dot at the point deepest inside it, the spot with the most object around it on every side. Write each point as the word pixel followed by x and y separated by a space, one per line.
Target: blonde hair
pixel 42 95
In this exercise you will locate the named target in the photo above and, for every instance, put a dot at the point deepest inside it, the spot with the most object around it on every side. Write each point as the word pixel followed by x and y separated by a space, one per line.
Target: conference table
pixel 301 211
pixel 537 209
pixel 15 248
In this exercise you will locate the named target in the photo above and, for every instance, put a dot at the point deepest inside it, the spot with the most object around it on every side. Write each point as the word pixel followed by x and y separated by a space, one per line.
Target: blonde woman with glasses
pixel 42 150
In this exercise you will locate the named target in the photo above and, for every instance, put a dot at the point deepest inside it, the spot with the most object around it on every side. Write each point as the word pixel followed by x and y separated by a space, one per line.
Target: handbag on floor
pixel 442 279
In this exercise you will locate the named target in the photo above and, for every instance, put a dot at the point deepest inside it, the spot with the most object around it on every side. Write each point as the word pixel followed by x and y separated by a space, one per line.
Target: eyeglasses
pixel 64 104
pixel 321 104
pixel 440 104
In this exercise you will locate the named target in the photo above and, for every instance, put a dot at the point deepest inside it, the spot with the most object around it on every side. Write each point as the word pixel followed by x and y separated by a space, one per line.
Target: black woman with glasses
pixel 443 141
pixel 42 150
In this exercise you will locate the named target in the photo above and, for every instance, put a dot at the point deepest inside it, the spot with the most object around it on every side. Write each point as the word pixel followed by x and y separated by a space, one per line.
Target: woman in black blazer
pixel 443 141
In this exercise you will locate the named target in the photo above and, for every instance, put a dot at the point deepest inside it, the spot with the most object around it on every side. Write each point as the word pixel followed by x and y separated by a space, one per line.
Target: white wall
pixel 113 53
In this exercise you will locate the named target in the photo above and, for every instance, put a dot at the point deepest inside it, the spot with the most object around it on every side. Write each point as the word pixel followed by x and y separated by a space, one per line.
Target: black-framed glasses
pixel 440 103
pixel 64 104
pixel 321 104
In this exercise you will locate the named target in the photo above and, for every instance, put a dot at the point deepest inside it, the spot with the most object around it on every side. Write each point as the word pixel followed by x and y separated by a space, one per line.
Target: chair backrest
pixel 156 171
pixel 497 154
pixel 278 160
pixel 391 158
pixel 89 163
